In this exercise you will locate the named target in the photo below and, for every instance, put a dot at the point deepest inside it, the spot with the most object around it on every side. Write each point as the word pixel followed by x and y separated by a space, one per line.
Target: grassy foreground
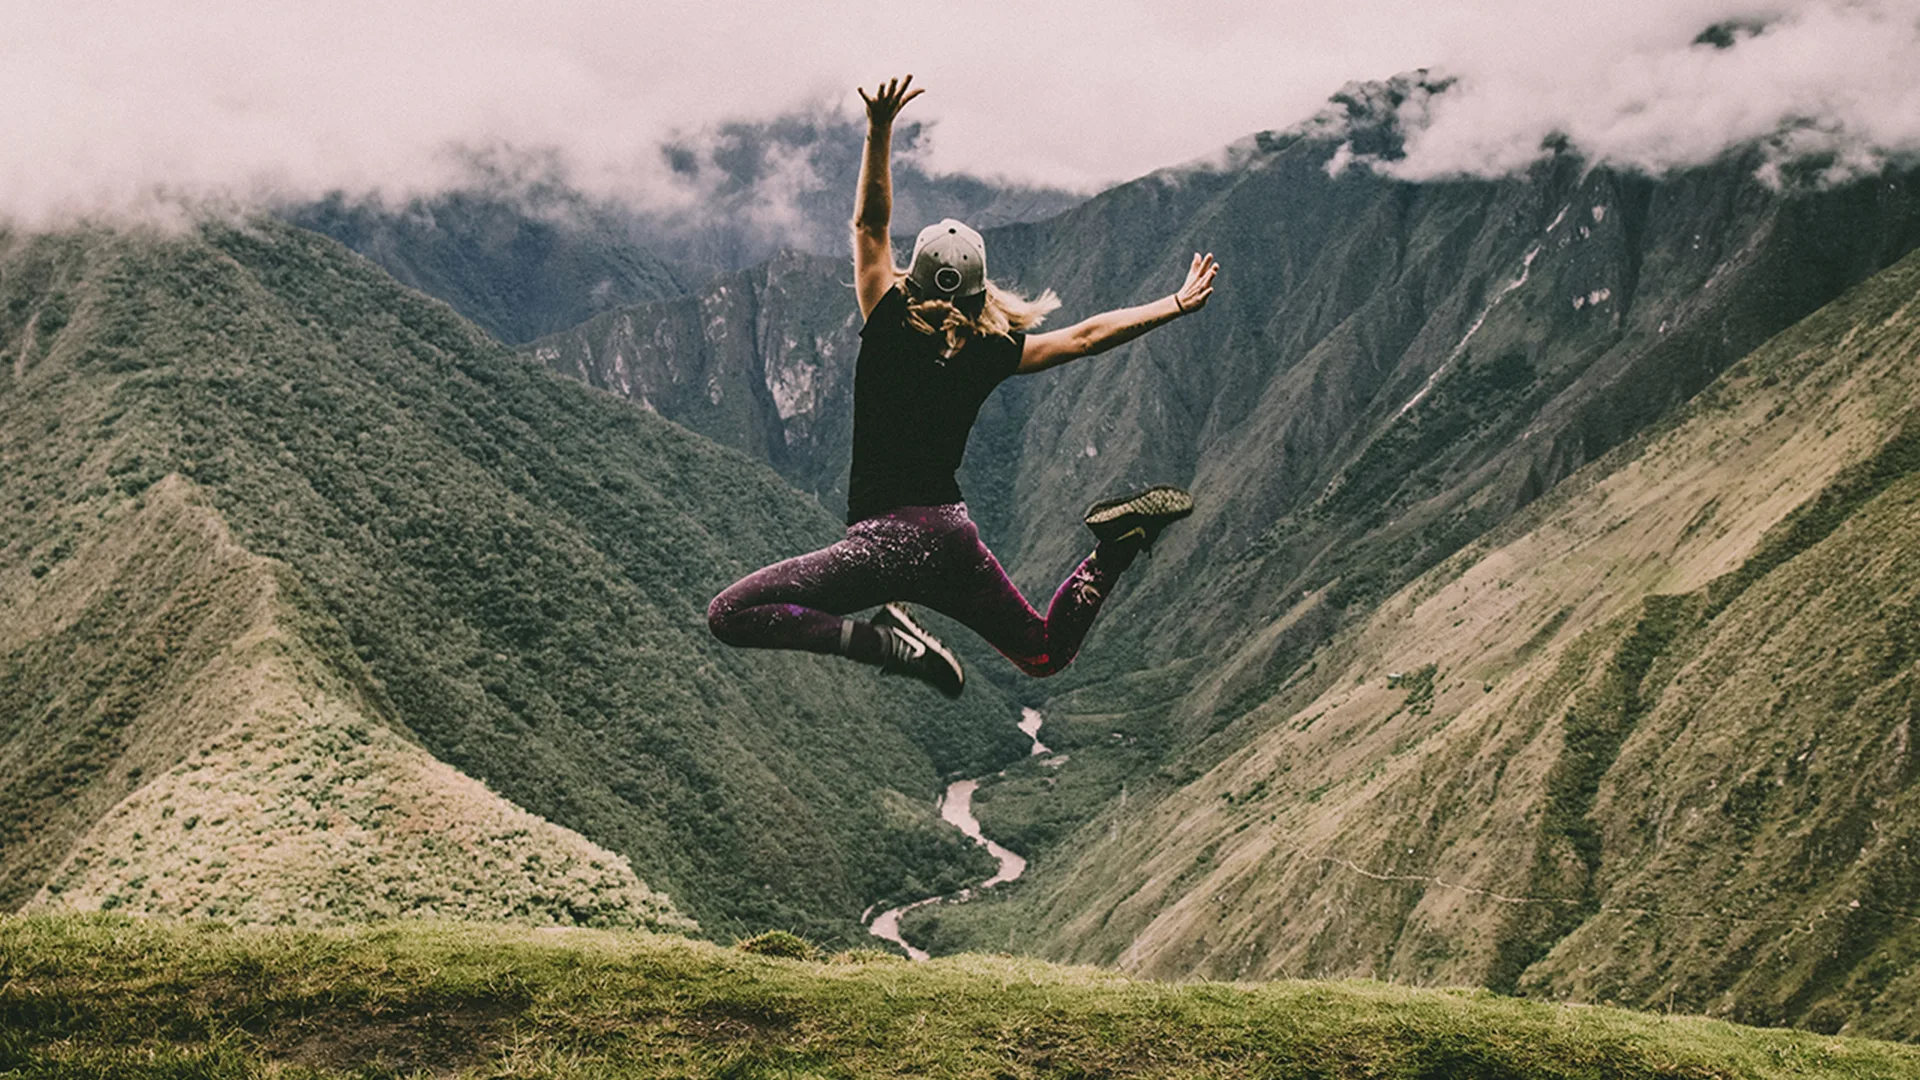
pixel 106 996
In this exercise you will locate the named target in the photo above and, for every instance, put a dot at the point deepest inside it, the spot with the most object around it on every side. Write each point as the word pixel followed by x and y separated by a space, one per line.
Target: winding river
pixel 956 808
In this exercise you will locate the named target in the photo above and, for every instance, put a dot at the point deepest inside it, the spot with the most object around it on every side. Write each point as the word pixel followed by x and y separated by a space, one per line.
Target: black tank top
pixel 913 408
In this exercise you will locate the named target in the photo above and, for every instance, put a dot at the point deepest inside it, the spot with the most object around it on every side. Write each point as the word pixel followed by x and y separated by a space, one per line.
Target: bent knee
pixel 722 620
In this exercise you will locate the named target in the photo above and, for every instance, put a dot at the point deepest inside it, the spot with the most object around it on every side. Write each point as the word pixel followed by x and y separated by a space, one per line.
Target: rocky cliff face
pixel 761 360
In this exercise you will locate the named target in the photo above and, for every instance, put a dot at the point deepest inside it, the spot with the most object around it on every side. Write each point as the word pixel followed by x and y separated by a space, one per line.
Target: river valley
pixel 956 808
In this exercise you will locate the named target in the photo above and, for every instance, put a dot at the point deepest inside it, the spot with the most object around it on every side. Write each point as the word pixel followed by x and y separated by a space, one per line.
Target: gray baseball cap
pixel 949 261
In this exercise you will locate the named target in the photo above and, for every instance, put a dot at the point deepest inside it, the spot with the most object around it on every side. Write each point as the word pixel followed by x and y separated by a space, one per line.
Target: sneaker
pixel 911 650
pixel 1140 515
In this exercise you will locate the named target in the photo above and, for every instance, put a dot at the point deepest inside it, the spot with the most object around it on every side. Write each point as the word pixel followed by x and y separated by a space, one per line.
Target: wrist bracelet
pixel 1178 304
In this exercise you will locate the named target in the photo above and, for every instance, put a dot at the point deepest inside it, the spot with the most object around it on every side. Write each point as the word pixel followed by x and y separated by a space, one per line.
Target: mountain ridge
pixel 509 569
pixel 209 830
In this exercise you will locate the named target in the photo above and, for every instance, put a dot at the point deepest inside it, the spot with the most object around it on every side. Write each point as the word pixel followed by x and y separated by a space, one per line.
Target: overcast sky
pixel 109 102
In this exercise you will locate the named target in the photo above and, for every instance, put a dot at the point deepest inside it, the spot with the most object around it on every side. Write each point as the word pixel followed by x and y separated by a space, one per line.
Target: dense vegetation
pixel 513 568
pixel 115 998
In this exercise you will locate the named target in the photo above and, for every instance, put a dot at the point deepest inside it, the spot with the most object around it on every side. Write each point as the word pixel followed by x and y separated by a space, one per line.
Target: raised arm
pixel 1111 328
pixel 873 270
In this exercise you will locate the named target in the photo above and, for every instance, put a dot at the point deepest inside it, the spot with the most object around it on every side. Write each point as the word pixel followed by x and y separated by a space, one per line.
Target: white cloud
pixel 105 104
pixel 1832 78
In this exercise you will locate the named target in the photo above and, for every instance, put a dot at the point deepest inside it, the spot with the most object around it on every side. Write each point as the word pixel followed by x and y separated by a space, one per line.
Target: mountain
pixel 1394 379
pixel 1646 743
pixel 523 252
pixel 1388 370
pixel 518 263
pixel 309 582
pixel 176 745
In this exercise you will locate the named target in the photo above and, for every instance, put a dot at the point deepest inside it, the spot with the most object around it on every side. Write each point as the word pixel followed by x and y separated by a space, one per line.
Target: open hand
pixel 887 100
pixel 1193 295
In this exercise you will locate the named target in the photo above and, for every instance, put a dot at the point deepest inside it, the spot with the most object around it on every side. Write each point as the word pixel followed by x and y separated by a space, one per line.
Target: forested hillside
pixel 443 551
pixel 518 264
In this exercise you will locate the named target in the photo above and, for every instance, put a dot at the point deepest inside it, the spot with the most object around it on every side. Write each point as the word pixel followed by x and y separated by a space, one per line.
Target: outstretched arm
pixel 1111 328
pixel 873 204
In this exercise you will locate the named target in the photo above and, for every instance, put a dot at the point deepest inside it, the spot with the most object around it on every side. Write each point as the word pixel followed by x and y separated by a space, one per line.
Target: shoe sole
pixel 896 616
pixel 1157 506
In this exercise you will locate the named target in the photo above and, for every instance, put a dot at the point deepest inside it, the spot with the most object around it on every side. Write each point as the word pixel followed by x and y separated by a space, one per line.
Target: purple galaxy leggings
pixel 930 555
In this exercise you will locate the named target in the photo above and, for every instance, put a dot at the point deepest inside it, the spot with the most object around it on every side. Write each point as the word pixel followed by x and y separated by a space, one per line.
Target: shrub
pixel 778 943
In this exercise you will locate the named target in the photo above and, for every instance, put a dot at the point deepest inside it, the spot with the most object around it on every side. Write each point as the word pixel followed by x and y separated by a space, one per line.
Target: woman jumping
pixel 938 338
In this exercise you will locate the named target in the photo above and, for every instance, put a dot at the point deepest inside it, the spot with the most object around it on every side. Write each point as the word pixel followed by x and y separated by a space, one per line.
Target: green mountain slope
pixel 114 997
pixel 175 745
pixel 1389 369
pixel 500 564
pixel 1647 744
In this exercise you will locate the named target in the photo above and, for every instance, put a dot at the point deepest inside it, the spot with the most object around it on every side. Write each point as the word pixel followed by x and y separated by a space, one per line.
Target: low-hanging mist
pixel 113 107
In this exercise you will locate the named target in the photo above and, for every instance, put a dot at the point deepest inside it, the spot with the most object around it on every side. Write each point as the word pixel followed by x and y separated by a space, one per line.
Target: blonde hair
pixel 1002 312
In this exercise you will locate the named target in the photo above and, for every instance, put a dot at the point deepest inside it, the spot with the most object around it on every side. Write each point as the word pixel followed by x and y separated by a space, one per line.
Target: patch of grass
pixel 116 997
pixel 779 943
pixel 1419 687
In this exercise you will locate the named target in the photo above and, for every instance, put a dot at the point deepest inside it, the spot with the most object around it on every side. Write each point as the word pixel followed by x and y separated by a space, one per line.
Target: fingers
pixel 1202 267
pixel 1199 284
pixel 895 91
pixel 889 97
